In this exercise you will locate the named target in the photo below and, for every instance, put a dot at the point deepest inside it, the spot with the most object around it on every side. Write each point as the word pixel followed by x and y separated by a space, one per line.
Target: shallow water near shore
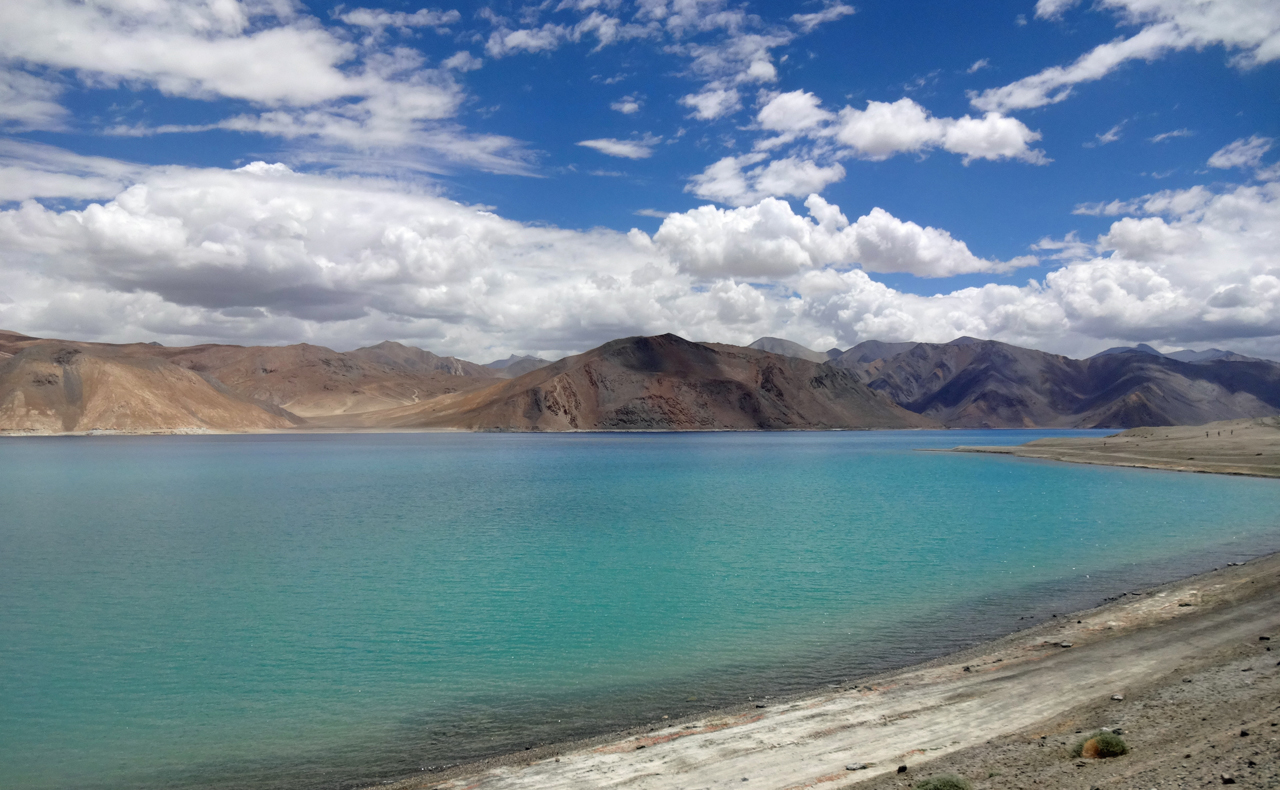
pixel 327 611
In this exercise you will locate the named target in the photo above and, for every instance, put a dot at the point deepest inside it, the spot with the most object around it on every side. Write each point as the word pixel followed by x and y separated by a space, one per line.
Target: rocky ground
pixel 1209 722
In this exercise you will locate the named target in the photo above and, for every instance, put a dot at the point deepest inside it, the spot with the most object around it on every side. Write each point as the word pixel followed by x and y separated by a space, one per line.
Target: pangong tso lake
pixel 332 611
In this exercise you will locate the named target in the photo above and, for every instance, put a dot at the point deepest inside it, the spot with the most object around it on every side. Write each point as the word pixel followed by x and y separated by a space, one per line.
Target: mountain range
pixel 639 383
pixel 971 383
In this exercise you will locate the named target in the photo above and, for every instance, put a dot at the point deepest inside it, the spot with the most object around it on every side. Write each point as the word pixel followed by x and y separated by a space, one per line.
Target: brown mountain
pixel 663 383
pixel 399 356
pixel 314 381
pixel 288 383
pixel 971 383
pixel 54 386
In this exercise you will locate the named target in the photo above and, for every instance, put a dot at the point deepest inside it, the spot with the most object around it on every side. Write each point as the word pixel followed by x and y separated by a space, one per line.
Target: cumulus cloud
pixel 1249 29
pixel 742 180
pixel 627 105
pixel 796 111
pixel 712 103
pixel 626 149
pixel 1241 153
pixel 769 240
pixel 885 129
pixel 879 132
pixel 264 254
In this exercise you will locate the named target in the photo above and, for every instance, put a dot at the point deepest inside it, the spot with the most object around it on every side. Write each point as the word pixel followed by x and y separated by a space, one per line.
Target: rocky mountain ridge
pixel 641 383
pixel 972 383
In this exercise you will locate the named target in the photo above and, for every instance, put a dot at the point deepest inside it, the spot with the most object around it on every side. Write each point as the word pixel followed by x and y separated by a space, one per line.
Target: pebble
pixel 1118 697
pixel 902 769
pixel 1228 779
pixel 854 767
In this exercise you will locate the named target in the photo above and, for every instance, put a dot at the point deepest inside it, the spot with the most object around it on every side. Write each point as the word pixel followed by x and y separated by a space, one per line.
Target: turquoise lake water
pixel 325 611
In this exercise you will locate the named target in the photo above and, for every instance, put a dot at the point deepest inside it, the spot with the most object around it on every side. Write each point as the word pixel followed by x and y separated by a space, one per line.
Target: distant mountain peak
pixel 502 364
pixel 1141 348
pixel 788 348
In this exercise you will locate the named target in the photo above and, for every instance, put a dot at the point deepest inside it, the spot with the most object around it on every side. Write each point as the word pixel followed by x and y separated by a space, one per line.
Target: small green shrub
pixel 1101 745
pixel 944 782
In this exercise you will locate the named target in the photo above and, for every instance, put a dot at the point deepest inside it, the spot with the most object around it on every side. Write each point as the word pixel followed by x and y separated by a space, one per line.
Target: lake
pixel 326 611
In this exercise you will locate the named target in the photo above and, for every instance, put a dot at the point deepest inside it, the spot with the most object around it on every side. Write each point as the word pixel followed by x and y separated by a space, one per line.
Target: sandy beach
pixel 1181 670
pixel 1233 447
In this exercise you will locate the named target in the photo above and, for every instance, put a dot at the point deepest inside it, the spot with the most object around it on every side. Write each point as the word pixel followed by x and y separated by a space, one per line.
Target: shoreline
pixel 1249 448
pixel 936 711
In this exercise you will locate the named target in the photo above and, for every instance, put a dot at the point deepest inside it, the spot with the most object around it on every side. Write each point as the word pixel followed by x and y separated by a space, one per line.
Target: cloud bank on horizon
pixel 468 180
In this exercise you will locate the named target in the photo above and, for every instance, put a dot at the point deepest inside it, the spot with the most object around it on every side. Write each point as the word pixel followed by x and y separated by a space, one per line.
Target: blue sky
pixel 467 178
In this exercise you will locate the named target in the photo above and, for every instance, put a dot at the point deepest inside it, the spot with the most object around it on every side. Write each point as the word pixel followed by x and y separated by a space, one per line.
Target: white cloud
pixel 712 103
pixel 627 105
pixel 1248 28
pixel 736 60
pixel 1053 9
pixel 993 136
pixel 424 17
pixel 267 255
pixel 626 149
pixel 1107 137
pixel 886 129
pixel 185 50
pixel 978 65
pixel 833 11
pixel 1241 153
pixel 31 170
pixel 1160 138
pixel 28 102
pixel 880 131
pixel 742 180
pixel 796 111
pixel 769 240
pixel 1068 248
pixel 301 79
pixel 505 42
pixel 462 61
pixel 1182 202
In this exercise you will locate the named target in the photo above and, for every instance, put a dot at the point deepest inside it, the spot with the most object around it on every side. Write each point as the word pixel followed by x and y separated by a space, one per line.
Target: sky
pixel 483 179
